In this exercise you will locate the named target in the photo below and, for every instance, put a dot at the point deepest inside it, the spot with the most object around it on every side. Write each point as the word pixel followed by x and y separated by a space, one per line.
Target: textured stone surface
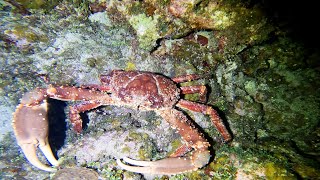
pixel 264 83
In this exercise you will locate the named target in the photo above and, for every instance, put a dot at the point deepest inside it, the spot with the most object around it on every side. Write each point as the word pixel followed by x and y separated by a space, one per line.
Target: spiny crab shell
pixel 134 89
pixel 147 91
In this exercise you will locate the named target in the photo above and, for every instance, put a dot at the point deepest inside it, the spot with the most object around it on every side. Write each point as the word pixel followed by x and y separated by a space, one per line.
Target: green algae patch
pixel 146 29
pixel 39 4
pixel 274 171
pixel 307 171
pixel 146 150
pixel 130 66
pixel 24 37
pixel 221 167
pixel 223 19
pixel 126 149
pixel 175 144
pixel 95 62
pixel 254 163
pixel 112 174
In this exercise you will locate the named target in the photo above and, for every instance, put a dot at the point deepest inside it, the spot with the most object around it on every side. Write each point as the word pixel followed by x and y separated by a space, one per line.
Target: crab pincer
pixel 30 124
pixel 175 165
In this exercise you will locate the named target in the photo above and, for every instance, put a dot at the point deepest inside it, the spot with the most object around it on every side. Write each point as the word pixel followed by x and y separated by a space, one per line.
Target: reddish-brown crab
pixel 135 89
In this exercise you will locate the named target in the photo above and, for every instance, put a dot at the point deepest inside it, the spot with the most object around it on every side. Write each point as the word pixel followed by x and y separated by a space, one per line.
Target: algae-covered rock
pixel 146 29
pixel 272 171
pixel 263 84
pixel 27 7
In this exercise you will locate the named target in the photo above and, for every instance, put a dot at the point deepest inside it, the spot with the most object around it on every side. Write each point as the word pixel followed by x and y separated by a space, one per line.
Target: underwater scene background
pixel 260 60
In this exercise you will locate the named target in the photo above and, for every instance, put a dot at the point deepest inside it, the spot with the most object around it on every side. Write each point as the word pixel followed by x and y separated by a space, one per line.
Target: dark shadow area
pixel 57 124
pixel 313 156
pixel 85 120
pixel 299 18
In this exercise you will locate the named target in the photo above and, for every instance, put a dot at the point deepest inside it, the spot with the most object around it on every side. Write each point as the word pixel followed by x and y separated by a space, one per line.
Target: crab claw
pixel 168 166
pixel 30 124
pixel 200 156
pixel 165 166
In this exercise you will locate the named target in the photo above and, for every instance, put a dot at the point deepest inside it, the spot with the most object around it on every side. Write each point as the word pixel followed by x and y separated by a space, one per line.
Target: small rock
pixel 75 174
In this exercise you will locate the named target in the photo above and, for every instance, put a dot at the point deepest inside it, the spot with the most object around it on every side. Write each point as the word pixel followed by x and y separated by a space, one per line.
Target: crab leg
pixel 216 120
pixel 186 78
pixel 202 90
pixel 175 165
pixel 92 98
pixel 70 93
pixel 75 110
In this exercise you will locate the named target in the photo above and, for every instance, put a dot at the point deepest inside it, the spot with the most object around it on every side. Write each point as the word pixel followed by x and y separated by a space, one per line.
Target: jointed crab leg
pixel 200 156
pixel 92 98
pixel 202 90
pixel 186 78
pixel 70 93
pixel 75 116
pixel 209 111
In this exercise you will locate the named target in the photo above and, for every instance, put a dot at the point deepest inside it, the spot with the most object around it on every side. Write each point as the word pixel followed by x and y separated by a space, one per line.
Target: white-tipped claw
pixel 30 124
pixel 46 150
pixel 165 166
pixel 29 151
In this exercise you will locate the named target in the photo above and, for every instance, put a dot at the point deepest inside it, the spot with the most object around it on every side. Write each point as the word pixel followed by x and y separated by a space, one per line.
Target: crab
pixel 134 89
